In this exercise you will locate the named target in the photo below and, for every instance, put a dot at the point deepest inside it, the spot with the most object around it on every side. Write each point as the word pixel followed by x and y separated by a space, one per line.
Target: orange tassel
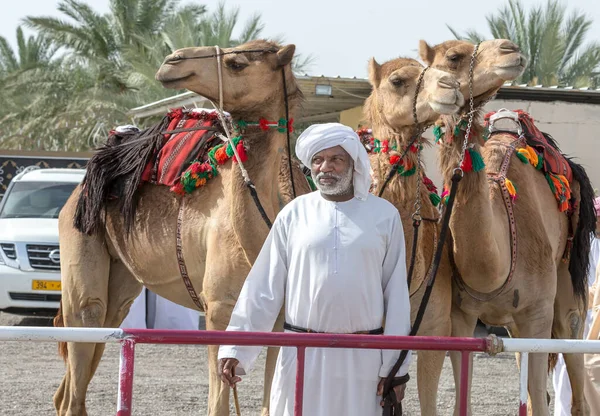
pixel 510 187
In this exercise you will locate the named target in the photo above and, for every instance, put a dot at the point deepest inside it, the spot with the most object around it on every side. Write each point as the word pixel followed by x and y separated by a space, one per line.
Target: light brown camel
pixel 222 231
pixel 389 113
pixel 481 248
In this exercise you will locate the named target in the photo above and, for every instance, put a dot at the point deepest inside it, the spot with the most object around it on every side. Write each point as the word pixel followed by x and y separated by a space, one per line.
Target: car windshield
pixel 36 199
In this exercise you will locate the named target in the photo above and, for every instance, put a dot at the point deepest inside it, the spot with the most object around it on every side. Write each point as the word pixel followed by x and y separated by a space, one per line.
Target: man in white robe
pixel 336 259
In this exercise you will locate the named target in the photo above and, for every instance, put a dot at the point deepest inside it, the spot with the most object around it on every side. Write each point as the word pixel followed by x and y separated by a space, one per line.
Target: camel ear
pixel 374 73
pixel 426 52
pixel 285 55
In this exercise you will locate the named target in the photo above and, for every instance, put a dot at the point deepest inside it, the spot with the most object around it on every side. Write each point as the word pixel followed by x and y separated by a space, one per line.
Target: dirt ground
pixel 173 380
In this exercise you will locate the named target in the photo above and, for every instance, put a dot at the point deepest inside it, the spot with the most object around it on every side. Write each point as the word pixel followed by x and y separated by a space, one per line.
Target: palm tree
pixel 553 42
pixel 31 52
pixel 107 68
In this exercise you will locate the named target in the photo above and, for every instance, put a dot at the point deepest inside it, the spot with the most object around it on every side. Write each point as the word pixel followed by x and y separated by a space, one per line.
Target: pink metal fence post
pixel 463 401
pixel 125 393
pixel 300 354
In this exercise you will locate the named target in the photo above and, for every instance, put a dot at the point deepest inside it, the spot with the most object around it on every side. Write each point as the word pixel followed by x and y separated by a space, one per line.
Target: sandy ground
pixel 173 380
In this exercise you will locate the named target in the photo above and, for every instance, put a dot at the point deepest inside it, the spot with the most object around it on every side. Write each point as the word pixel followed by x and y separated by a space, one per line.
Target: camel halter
pixel 227 137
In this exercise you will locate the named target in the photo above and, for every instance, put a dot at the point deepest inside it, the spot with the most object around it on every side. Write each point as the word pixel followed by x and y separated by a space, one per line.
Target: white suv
pixel 29 251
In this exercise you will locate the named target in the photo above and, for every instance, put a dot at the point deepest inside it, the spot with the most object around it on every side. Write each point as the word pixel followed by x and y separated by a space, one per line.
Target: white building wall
pixel 576 128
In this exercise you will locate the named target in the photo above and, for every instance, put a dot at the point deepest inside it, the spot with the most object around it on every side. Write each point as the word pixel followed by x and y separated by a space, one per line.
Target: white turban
pixel 324 136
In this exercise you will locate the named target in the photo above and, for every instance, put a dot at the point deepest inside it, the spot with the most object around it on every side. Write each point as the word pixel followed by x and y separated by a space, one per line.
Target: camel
pixel 521 297
pixel 222 231
pixel 388 111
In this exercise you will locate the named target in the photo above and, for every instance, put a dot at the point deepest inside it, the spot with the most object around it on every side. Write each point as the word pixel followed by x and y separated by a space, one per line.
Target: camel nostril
pixel 509 47
pixel 171 59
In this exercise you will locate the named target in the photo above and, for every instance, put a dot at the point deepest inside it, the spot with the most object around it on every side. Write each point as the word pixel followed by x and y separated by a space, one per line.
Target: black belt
pixel 294 328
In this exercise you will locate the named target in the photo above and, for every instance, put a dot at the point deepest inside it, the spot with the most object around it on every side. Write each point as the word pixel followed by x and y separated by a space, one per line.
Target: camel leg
pixel 463 325
pixel 84 273
pixel 569 316
pixel 436 322
pixel 217 319
pixel 536 322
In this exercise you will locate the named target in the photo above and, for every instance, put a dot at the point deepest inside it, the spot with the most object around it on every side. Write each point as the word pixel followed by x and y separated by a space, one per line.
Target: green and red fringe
pixel 198 173
pixel 282 124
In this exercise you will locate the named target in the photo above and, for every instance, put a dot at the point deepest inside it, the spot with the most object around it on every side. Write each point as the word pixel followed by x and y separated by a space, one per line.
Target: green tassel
pixel 376 145
pixel 457 130
pixel 410 172
pixel 540 164
pixel 282 125
pixel 552 187
pixel 477 160
pixel 242 124
pixel 211 154
pixel 522 157
pixel 486 133
pixel 229 149
pixel 311 183
pixel 435 199
pixel 437 133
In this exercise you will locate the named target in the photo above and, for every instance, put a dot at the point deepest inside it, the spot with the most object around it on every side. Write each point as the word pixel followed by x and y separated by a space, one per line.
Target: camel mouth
pixel 513 69
pixel 443 108
pixel 167 81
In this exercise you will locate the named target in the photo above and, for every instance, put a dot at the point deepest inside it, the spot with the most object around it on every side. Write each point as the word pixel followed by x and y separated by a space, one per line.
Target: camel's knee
pixel 218 315
pixel 568 327
pixel 90 313
pixel 575 325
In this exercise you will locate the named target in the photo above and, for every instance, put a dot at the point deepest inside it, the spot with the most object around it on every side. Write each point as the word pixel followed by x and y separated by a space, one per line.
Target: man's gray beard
pixel 342 186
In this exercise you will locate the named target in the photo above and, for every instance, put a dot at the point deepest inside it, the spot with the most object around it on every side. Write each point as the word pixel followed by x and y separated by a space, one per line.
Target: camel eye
pixel 397 82
pixel 235 65
pixel 454 58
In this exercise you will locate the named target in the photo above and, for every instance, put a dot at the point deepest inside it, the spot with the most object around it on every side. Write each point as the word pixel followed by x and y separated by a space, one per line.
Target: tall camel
pixel 388 111
pixel 104 265
pixel 508 254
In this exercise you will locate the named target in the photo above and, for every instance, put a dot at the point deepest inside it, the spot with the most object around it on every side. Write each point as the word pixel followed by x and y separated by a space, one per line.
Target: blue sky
pixel 343 34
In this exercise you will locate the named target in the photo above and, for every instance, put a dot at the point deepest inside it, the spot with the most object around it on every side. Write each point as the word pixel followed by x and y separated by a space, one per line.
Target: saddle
pixel 541 151
pixel 554 161
pixel 189 142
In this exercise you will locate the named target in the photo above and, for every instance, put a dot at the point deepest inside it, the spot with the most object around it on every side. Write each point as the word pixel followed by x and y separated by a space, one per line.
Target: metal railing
pixel 130 337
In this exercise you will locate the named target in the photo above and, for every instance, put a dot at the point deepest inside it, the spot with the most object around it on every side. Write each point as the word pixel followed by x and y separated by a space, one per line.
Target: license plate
pixel 45 285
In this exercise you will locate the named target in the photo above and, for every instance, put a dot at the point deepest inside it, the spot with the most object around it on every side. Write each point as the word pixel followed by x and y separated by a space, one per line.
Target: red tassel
pixel 467 165
pixel 291 125
pixel 242 152
pixel 394 159
pixel 385 146
pixel 196 168
pixel 263 124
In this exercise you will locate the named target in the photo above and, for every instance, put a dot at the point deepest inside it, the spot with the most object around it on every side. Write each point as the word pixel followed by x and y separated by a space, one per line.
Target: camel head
pixel 497 61
pixel 251 75
pixel 394 84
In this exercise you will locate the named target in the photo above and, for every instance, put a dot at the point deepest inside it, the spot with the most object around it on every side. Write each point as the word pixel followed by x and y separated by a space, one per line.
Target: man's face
pixel 332 171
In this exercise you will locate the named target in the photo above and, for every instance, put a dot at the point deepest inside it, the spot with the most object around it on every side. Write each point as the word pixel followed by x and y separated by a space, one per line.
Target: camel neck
pixel 473 215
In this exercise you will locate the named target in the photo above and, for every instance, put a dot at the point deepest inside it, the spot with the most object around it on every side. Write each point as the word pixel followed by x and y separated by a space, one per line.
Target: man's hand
pixel 227 371
pixel 399 390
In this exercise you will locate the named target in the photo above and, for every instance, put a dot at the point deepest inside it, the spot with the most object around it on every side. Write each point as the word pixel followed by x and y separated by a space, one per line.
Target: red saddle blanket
pixel 554 161
pixel 180 149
